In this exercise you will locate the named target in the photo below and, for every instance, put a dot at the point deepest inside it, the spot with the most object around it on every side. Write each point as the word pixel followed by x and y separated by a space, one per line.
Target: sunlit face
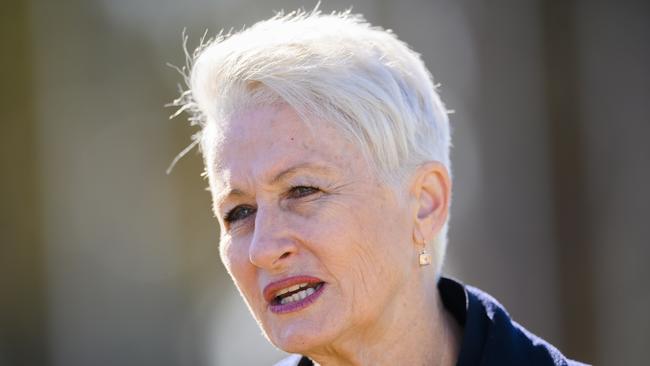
pixel 318 247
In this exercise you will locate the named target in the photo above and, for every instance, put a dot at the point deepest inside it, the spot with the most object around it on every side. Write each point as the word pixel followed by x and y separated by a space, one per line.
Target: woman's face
pixel 318 247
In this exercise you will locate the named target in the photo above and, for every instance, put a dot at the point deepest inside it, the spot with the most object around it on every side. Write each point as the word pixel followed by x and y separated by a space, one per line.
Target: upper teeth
pixel 297 296
pixel 291 289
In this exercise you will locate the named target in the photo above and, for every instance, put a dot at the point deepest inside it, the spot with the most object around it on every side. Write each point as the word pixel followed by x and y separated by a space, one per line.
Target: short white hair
pixel 334 67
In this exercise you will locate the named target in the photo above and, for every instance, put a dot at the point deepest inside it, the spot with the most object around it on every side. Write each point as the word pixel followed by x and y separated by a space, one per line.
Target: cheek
pixel 235 258
pixel 358 243
pixel 376 248
pixel 225 253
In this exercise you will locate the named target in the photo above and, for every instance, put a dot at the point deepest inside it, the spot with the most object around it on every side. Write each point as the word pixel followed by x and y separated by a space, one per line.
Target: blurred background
pixel 106 260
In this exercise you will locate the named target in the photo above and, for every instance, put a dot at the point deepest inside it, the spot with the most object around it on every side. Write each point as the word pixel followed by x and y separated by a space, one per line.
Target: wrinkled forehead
pixel 258 141
pixel 242 135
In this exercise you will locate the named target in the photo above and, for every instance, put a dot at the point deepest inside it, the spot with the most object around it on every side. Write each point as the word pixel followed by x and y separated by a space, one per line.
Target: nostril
pixel 270 251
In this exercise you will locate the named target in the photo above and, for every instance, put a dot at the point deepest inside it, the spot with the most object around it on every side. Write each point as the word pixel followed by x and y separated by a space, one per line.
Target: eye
pixel 302 191
pixel 239 213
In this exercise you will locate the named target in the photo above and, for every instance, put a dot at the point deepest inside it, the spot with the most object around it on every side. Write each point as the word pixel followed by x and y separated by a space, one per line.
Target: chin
pixel 302 335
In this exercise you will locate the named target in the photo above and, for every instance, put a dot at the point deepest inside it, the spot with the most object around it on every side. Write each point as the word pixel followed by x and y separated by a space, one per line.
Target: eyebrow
pixel 291 171
pixel 283 175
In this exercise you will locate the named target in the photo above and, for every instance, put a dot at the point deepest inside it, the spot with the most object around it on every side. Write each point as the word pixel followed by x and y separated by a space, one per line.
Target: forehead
pixel 259 141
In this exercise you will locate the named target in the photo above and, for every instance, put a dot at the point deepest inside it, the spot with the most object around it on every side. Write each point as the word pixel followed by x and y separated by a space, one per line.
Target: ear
pixel 431 192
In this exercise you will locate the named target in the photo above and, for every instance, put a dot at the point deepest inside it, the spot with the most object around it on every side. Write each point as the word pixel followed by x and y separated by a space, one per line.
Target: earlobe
pixel 431 190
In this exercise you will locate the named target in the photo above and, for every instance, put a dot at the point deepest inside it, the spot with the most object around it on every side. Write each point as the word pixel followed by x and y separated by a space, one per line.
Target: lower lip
pixel 297 305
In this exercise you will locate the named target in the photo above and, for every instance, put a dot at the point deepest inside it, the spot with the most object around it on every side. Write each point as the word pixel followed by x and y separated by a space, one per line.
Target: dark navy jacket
pixel 490 337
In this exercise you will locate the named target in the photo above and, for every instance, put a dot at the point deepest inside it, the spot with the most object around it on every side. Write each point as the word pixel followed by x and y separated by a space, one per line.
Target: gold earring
pixel 424 258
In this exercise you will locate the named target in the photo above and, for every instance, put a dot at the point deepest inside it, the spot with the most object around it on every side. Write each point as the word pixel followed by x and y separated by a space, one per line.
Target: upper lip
pixel 272 288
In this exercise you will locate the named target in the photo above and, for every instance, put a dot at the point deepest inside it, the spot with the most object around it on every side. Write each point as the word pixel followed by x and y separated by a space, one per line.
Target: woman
pixel 327 152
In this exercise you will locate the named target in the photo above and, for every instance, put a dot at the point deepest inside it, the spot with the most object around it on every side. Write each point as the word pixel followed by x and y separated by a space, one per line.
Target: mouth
pixel 293 294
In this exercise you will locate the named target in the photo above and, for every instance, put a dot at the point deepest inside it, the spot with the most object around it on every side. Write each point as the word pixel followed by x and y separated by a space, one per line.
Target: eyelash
pixel 243 211
pixel 236 213
pixel 299 191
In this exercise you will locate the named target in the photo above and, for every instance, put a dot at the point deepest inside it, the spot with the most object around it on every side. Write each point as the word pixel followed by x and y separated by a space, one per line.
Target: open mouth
pixel 296 293
pixel 293 293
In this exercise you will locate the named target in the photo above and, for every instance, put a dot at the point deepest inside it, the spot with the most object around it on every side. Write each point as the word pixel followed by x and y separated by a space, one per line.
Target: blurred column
pixel 115 249
pixel 22 281
pixel 507 237
pixel 572 220
pixel 598 87
pixel 613 51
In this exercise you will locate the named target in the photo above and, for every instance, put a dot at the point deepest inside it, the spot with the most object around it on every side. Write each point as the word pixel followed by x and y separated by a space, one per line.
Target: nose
pixel 272 245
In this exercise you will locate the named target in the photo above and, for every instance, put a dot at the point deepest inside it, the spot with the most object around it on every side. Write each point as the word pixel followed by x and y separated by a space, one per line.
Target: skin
pixel 293 200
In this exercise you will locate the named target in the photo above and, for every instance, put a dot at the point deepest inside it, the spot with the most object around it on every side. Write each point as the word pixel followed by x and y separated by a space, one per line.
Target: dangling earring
pixel 424 258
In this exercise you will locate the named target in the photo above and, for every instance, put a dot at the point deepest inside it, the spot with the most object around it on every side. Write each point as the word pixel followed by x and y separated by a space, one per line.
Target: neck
pixel 414 330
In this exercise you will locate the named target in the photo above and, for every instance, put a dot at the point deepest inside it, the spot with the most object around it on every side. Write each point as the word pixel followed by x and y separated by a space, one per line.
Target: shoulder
pixel 490 336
